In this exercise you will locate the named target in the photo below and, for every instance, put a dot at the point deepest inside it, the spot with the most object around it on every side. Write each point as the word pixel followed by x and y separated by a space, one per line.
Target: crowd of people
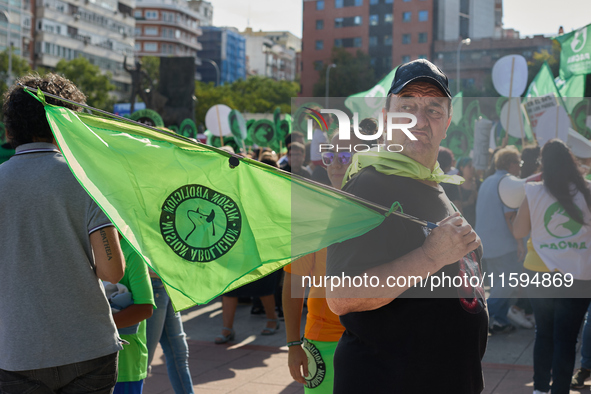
pixel 55 233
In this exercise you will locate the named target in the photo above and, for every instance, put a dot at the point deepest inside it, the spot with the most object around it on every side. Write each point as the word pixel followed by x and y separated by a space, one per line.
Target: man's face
pixel 431 108
pixel 295 158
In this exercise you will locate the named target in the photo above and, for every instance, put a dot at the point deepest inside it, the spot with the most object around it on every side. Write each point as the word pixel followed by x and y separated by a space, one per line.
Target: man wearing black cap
pixel 401 338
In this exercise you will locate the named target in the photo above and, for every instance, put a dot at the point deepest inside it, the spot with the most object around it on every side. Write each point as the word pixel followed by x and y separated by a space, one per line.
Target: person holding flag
pixel 396 330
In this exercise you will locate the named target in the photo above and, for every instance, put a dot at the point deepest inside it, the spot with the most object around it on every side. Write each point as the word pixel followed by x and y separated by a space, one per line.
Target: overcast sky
pixel 529 17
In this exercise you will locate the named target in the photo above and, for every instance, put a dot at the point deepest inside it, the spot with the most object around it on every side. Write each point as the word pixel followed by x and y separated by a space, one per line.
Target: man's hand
pixel 297 361
pixel 452 240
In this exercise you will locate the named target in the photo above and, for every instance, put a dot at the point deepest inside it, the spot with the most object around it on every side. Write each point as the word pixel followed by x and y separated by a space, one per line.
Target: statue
pixel 151 97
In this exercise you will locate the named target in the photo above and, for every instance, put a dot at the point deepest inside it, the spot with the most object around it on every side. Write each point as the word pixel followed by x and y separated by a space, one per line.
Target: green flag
pixel 575 53
pixel 372 106
pixel 543 84
pixel 571 90
pixel 205 221
pixel 458 108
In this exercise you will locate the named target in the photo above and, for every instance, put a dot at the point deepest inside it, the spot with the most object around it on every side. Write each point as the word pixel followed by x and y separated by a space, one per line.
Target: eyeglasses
pixel 342 157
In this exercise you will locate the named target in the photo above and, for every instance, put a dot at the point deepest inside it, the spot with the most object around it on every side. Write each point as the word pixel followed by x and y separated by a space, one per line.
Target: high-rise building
pixel 390 31
pixel 271 54
pixel 227 49
pixel 204 9
pixel 101 31
pixel 166 28
pixel 16 18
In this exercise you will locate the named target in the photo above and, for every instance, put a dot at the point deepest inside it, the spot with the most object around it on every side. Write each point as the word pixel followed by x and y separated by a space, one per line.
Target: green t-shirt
pixel 133 359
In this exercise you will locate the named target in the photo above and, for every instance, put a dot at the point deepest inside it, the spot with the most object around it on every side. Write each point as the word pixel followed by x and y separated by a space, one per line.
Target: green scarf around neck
pixel 391 163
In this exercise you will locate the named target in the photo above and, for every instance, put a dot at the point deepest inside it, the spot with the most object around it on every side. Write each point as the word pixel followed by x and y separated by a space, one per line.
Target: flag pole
pixel 506 139
pixel 237 158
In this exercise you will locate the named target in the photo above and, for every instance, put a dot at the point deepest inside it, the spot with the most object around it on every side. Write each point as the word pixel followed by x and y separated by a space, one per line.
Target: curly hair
pixel 560 173
pixel 505 157
pixel 24 116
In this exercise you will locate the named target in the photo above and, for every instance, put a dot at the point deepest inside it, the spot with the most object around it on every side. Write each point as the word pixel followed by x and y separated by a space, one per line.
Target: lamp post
pixel 217 69
pixel 9 42
pixel 326 90
pixel 467 42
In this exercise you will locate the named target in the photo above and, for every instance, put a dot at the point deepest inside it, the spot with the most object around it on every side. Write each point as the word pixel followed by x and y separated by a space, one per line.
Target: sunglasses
pixel 342 157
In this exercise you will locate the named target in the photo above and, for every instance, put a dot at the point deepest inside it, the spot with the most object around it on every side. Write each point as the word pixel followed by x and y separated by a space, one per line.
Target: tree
pixel 151 64
pixel 352 74
pixel 90 81
pixel 552 57
pixel 254 94
pixel 20 67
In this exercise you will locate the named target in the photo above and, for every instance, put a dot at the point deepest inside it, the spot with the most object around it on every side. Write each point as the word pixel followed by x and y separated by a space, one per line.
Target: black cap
pixel 420 70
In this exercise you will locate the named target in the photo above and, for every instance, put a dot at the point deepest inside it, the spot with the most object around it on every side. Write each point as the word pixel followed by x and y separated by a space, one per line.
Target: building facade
pixel 204 9
pixel 478 58
pixel 101 31
pixel 271 54
pixel 16 31
pixel 227 49
pixel 166 28
pixel 390 31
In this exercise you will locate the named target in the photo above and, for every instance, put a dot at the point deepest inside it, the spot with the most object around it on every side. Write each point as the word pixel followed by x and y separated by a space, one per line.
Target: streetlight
pixel 467 42
pixel 217 69
pixel 326 91
pixel 9 42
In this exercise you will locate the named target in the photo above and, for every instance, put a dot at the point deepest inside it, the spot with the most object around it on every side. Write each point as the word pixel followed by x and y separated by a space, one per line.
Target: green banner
pixel 205 221
pixel 575 54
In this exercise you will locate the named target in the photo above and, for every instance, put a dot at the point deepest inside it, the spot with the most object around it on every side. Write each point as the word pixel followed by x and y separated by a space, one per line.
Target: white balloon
pixel 216 119
pixel 548 125
pixel 514 127
pixel 501 75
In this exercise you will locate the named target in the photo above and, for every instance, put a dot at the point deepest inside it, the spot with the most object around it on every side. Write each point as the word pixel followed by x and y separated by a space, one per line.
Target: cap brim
pixel 430 80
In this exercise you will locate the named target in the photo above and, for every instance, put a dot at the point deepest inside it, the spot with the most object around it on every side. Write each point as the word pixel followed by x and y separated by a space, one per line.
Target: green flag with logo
pixel 575 53
pixel 571 90
pixel 542 84
pixel 206 224
pixel 372 106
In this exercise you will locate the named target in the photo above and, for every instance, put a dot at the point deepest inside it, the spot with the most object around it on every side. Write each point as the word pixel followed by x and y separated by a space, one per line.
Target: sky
pixel 529 17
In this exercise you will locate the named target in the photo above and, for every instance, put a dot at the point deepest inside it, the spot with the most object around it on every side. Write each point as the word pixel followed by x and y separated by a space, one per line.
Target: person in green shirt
pixel 133 359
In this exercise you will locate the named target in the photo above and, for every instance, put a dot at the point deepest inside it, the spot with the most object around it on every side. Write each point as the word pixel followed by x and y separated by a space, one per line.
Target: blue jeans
pixel 558 321
pixel 165 326
pixel 586 345
pixel 97 376
pixel 501 297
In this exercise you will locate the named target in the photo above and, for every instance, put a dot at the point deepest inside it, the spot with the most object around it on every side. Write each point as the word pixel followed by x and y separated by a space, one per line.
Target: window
pixel 319 44
pixel 406 38
pixel 318 65
pixel 357 42
pixel 373 41
pixel 374 20
pixel 338 22
pixel 138 46
pixel 150 47
pixel 422 38
pixel 423 57
pixel 423 16
pixel 358 3
pixel 373 2
pixel 137 14
pixel 406 1
pixel 406 16
pixel 320 5
pixel 357 21
pixel 389 1
pixel 151 14
pixel 138 31
pixel 405 59
pixel 151 31
pixel 387 39
pixel 388 18
pixel 338 4
pixel 319 24
pixel 372 61
pixel 338 42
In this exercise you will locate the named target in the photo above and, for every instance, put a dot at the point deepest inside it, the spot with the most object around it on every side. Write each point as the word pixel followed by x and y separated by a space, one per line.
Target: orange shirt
pixel 321 323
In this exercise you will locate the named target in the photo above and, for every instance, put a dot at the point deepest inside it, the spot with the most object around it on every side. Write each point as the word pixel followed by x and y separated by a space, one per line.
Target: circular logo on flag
pixel 200 224
pixel 558 222
pixel 316 365
pixel 579 40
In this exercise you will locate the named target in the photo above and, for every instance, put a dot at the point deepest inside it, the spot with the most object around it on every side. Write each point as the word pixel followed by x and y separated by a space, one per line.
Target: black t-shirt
pixel 303 172
pixel 411 345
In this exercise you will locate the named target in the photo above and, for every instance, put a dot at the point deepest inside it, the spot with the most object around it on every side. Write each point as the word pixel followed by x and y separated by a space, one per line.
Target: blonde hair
pixel 506 156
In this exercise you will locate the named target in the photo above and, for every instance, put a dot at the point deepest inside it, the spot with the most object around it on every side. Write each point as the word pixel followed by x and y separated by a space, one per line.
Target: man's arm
pixel 108 257
pixel 293 303
pixel 452 240
pixel 510 218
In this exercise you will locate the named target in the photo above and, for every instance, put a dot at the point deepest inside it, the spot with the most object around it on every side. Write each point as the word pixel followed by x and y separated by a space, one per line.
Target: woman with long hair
pixel 557 211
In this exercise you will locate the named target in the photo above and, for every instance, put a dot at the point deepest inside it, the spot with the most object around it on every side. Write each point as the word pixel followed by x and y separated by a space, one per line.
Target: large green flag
pixel 575 53
pixel 204 220
pixel 571 90
pixel 372 105
pixel 542 84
